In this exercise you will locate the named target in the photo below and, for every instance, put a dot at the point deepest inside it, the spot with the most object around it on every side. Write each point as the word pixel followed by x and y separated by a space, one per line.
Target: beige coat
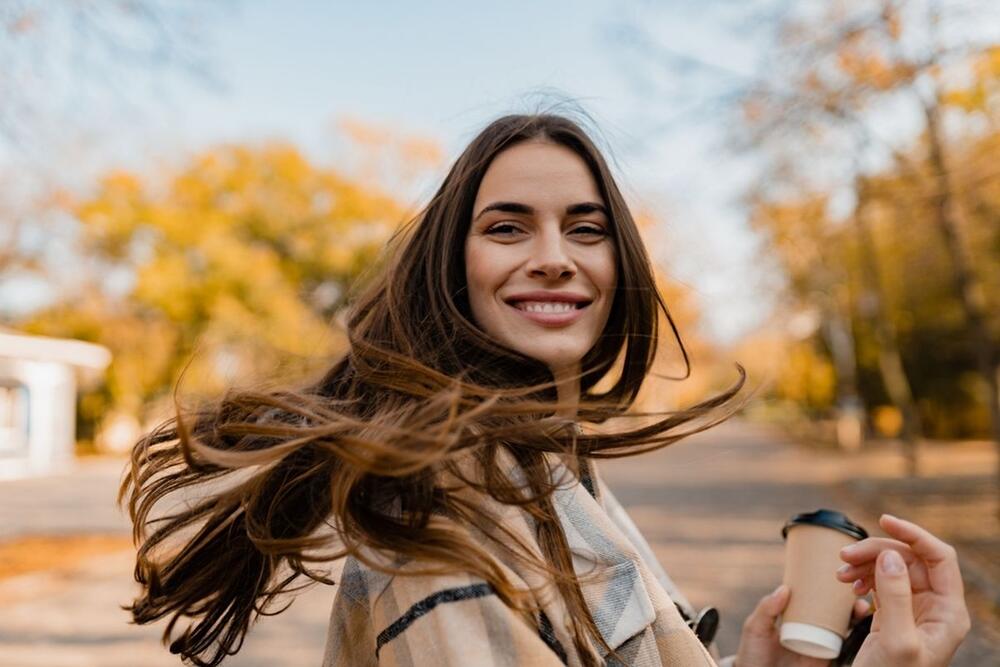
pixel 457 620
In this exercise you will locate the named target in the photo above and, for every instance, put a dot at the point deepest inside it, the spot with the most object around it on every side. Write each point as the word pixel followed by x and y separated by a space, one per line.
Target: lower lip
pixel 552 319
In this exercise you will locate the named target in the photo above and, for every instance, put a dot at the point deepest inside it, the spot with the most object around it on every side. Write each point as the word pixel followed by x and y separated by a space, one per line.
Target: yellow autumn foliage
pixel 237 264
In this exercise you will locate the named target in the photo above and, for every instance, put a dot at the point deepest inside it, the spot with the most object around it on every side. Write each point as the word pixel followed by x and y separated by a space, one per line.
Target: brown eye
pixel 500 227
pixel 594 231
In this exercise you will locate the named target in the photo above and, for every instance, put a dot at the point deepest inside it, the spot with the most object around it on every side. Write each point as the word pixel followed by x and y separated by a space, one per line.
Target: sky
pixel 442 70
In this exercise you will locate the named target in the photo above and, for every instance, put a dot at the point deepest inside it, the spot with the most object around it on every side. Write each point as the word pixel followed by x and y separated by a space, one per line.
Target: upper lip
pixel 543 295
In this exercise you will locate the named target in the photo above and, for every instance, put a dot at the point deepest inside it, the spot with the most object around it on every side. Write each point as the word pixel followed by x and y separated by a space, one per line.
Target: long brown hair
pixel 351 462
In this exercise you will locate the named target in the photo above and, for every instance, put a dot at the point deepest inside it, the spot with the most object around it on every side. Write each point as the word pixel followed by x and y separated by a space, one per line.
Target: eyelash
pixel 597 231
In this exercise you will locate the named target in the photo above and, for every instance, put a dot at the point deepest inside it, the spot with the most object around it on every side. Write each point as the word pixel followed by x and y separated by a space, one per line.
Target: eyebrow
pixel 523 209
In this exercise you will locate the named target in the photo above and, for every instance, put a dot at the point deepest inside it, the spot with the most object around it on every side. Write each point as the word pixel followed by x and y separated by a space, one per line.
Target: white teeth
pixel 546 306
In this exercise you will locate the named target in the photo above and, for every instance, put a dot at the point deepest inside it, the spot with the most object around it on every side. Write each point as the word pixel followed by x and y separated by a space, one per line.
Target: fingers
pixel 940 557
pixel 921 541
pixel 861 609
pixel 850 572
pixel 865 551
pixel 939 562
pixel 908 565
pixel 862 577
pixel 761 619
pixel 863 585
pixel 895 612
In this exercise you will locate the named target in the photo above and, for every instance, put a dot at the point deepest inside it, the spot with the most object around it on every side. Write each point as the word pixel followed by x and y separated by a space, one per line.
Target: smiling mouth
pixel 550 307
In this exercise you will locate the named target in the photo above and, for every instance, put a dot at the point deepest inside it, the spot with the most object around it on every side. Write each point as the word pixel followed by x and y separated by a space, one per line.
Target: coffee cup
pixel 816 619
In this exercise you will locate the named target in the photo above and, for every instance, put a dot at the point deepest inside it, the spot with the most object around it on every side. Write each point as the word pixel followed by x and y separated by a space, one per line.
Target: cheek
pixel 479 278
pixel 605 278
pixel 606 274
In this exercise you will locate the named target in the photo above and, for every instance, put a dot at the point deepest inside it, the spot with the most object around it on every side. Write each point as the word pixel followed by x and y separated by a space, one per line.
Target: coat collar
pixel 607 566
pixel 618 588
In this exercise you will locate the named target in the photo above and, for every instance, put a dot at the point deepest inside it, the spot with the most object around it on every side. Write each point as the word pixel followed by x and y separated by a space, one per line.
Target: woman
pixel 443 454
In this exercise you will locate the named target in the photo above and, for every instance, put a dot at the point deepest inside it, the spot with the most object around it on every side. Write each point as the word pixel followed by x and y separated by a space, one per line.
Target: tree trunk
pixel 967 287
pixel 890 362
pixel 850 408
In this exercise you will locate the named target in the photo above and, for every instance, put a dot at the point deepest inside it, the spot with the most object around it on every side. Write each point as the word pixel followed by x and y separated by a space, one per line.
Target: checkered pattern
pixel 416 621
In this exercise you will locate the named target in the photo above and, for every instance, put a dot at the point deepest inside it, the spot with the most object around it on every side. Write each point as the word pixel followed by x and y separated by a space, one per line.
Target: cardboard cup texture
pixel 819 608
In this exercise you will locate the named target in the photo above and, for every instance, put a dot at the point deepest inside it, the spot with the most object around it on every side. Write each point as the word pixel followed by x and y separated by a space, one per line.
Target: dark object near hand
pixel 705 624
pixel 854 641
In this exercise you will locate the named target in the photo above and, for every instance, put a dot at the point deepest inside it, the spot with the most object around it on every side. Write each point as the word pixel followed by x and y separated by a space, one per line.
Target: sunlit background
pixel 191 185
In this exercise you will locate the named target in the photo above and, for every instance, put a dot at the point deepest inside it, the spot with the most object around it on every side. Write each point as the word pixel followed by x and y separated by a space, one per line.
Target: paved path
pixel 70 617
pixel 712 507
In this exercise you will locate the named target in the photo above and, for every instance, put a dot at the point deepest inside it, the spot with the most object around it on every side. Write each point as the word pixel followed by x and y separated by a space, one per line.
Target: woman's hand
pixel 920 616
pixel 759 646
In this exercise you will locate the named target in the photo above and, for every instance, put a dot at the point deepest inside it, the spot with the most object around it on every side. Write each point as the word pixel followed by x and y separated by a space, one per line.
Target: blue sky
pixel 442 70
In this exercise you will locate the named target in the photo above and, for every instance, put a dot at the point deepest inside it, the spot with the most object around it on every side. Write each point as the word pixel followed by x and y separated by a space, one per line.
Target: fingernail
pixel 889 516
pixel 843 568
pixel 848 549
pixel 892 563
pixel 777 591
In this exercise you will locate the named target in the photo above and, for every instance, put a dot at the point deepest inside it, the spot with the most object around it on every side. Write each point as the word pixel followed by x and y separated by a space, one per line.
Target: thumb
pixel 895 600
pixel 761 619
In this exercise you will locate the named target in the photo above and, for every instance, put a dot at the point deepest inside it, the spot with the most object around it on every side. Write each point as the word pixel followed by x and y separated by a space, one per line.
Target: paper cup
pixel 818 613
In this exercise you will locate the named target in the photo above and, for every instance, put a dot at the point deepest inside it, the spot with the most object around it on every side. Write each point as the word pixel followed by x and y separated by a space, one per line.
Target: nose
pixel 549 258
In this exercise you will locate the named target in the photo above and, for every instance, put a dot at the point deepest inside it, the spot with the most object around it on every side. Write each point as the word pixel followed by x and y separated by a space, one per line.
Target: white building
pixel 39 379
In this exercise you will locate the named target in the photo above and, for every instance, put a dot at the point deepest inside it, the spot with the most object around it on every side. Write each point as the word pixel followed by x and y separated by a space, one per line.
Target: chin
pixel 554 360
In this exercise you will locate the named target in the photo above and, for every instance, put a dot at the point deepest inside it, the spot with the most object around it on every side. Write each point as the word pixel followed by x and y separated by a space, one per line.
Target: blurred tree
pixel 811 250
pixel 240 259
pixel 829 266
pixel 843 67
pixel 919 281
pixel 67 67
pixel 871 305
pixel 854 91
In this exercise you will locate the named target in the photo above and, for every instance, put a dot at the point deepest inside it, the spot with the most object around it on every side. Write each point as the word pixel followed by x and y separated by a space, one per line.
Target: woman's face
pixel 539 256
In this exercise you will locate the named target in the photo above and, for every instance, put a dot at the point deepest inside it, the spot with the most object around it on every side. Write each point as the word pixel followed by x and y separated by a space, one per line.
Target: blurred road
pixel 712 507
pixel 70 617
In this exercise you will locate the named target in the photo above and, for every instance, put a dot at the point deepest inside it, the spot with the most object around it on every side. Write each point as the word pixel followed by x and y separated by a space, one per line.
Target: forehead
pixel 540 172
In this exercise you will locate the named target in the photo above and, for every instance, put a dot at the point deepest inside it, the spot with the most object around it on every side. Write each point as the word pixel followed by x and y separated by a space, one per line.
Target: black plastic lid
pixel 827 519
